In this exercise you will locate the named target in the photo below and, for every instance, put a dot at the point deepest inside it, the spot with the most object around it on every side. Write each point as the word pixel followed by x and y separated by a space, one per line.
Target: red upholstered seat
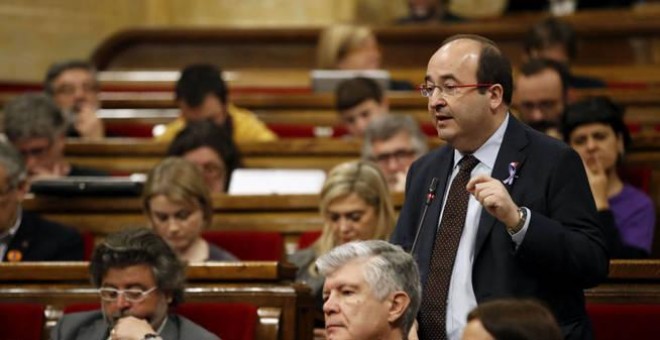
pixel 81 307
pixel 248 245
pixel 21 321
pixel 229 321
pixel 307 238
pixel 637 176
pixel 88 244
pixel 625 321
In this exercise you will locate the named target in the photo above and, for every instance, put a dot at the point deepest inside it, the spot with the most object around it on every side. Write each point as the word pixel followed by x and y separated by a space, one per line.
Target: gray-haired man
pixel 394 142
pixel 371 291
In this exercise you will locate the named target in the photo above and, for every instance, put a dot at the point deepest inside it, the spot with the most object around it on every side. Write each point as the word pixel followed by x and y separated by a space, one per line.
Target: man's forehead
pixel 456 57
pixel 73 75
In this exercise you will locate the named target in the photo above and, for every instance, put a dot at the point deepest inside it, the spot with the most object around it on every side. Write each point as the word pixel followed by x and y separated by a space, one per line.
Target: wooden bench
pixel 284 308
pixel 606 37
pixel 290 215
pixel 642 107
pixel 140 155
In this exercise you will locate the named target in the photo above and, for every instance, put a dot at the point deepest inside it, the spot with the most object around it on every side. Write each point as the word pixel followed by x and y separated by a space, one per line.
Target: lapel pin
pixel 513 167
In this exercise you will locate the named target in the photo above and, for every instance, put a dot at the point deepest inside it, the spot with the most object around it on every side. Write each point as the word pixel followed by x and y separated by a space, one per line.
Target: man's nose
pixel 122 303
pixel 329 306
pixel 436 101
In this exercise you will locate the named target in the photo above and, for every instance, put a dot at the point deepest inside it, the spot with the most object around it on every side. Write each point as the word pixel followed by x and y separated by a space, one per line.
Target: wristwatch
pixel 522 212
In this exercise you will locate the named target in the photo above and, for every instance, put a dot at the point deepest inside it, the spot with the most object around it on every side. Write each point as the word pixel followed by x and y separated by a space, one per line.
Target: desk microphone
pixel 430 195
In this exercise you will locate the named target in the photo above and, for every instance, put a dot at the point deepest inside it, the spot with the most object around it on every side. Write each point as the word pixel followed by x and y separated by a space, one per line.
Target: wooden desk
pixel 290 215
pixel 284 307
pixel 139 155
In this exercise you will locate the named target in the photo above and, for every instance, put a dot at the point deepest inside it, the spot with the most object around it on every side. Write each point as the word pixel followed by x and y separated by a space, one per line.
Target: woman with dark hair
pixel 595 128
pixel 211 148
pixel 511 319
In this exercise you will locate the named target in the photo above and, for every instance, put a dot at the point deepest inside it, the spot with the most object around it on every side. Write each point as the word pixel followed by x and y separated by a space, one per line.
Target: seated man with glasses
pixel 24 236
pixel 73 86
pixel 36 127
pixel 393 142
pixel 541 95
pixel 139 277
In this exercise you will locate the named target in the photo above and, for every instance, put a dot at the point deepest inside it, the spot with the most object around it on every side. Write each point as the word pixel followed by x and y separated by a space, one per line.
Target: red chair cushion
pixel 248 245
pixel 624 321
pixel 307 238
pixel 229 321
pixel 21 321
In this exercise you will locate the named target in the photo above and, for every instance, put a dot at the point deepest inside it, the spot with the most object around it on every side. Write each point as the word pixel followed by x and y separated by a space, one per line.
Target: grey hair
pixel 387 126
pixel 388 268
pixel 33 115
pixel 13 163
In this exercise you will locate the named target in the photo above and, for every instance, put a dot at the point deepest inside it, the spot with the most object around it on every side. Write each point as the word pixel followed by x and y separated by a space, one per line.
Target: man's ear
pixel 495 96
pixel 399 302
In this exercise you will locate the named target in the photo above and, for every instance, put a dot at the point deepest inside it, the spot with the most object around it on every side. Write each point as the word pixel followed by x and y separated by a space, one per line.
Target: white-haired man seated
pixel 371 291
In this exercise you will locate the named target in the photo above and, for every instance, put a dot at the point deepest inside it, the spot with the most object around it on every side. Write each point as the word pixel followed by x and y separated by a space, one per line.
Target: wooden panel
pixel 606 37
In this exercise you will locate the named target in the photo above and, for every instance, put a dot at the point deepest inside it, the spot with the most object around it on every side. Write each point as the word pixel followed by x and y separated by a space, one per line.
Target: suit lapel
pixel 511 150
pixel 19 247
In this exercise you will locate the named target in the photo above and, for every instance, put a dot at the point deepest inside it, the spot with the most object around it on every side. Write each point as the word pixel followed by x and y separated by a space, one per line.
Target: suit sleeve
pixel 564 243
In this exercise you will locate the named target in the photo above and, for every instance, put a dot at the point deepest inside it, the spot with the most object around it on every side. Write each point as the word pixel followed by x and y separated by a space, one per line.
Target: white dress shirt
pixel 461 299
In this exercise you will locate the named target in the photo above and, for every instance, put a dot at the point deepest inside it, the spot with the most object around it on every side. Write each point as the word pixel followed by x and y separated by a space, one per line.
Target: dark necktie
pixel 432 318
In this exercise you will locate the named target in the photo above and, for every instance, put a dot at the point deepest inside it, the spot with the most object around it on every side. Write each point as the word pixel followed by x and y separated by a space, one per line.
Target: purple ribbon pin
pixel 513 166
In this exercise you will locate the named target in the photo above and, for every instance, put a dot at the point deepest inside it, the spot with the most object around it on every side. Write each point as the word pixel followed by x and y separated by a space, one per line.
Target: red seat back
pixel 248 245
pixel 229 321
pixel 307 238
pixel 21 321
pixel 624 321
pixel 81 307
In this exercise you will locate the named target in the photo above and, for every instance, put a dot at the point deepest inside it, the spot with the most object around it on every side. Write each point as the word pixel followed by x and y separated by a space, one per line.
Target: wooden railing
pixel 284 307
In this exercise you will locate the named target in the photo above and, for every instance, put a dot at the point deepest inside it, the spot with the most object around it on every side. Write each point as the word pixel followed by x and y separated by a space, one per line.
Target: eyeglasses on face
pixel 132 295
pixel 398 155
pixel 427 90
pixel 70 89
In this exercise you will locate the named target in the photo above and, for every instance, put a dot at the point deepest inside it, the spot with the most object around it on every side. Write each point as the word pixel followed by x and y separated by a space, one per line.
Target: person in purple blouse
pixel 594 127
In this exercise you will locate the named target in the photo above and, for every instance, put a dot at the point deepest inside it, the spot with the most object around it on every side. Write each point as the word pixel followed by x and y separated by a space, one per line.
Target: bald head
pixel 468 79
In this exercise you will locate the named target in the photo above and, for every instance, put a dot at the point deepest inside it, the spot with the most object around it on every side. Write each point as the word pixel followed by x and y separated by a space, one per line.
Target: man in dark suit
pixel 139 276
pixel 25 236
pixel 530 227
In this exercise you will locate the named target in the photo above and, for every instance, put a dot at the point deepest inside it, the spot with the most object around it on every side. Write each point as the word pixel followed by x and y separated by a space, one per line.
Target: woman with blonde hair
pixel 355 203
pixel 348 47
pixel 178 204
